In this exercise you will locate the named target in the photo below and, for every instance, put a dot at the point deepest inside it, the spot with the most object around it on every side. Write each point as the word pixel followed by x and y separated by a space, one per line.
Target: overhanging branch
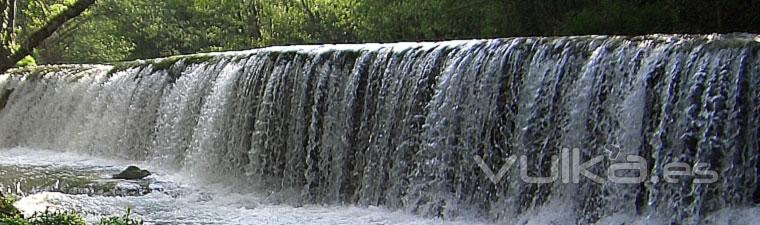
pixel 39 36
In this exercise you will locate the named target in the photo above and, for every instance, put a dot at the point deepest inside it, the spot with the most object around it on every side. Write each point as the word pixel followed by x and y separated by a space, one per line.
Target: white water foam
pixel 216 204
pixel 197 205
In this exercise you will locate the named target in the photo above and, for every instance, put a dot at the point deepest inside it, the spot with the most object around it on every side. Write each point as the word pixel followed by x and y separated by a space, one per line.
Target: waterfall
pixel 401 125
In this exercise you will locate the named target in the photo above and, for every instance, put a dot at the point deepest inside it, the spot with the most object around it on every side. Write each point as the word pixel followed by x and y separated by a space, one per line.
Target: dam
pixel 418 127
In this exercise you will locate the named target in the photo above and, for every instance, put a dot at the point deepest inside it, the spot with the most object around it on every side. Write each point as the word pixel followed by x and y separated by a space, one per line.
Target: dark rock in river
pixel 132 173
pixel 4 96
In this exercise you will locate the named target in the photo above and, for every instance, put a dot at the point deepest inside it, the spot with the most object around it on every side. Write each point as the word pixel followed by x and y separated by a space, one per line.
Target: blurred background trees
pixel 25 25
pixel 116 30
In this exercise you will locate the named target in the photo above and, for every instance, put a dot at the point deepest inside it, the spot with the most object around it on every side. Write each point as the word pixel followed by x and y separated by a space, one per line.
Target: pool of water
pixel 68 181
pixel 49 180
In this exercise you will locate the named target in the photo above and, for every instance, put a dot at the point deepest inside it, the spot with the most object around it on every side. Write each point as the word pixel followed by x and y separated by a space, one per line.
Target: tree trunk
pixel 3 18
pixel 5 40
pixel 252 15
pixel 10 30
pixel 43 33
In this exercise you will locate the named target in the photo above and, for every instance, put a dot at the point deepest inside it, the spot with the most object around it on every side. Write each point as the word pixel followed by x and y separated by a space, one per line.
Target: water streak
pixel 398 125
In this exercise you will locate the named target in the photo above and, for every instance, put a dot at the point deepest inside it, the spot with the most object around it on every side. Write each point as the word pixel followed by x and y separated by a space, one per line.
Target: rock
pixel 132 173
pixel 4 95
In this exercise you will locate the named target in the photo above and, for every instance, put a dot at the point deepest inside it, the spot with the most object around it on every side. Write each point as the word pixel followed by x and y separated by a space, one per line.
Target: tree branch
pixel 43 33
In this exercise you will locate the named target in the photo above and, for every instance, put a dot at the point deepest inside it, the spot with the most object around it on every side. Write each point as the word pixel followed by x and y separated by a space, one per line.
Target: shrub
pixel 121 220
pixel 13 221
pixel 9 215
pixel 7 210
pixel 56 218
pixel 27 61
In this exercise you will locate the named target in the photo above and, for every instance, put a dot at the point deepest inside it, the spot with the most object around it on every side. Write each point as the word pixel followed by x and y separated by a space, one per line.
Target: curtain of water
pixel 400 125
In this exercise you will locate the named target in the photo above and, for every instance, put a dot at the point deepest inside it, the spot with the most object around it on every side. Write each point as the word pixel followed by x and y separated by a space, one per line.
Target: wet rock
pixel 4 95
pixel 132 173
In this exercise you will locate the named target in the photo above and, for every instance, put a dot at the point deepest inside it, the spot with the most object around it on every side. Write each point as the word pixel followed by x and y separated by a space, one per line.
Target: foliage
pixel 37 12
pixel 56 218
pixel 33 31
pixel 9 215
pixel 28 61
pixel 6 203
pixel 14 221
pixel 95 43
pixel 621 17
pixel 7 210
pixel 432 19
pixel 121 30
pixel 126 219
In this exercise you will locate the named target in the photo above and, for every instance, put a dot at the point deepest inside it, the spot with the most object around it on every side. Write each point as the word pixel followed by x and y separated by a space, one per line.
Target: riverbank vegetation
pixel 20 40
pixel 9 215
pixel 118 30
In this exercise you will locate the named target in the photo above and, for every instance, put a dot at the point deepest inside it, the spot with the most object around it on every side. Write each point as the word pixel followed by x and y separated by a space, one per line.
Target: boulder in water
pixel 132 173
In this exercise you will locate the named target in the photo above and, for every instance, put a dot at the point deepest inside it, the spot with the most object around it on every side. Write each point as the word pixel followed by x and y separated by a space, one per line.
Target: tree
pixel 119 30
pixel 9 53
pixel 7 26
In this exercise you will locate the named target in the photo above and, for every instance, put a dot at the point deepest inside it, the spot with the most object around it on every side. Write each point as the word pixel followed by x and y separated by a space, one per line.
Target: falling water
pixel 399 125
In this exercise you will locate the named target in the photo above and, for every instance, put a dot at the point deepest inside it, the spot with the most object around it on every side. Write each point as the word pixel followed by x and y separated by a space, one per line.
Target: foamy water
pixel 399 127
pixel 197 204
pixel 186 201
